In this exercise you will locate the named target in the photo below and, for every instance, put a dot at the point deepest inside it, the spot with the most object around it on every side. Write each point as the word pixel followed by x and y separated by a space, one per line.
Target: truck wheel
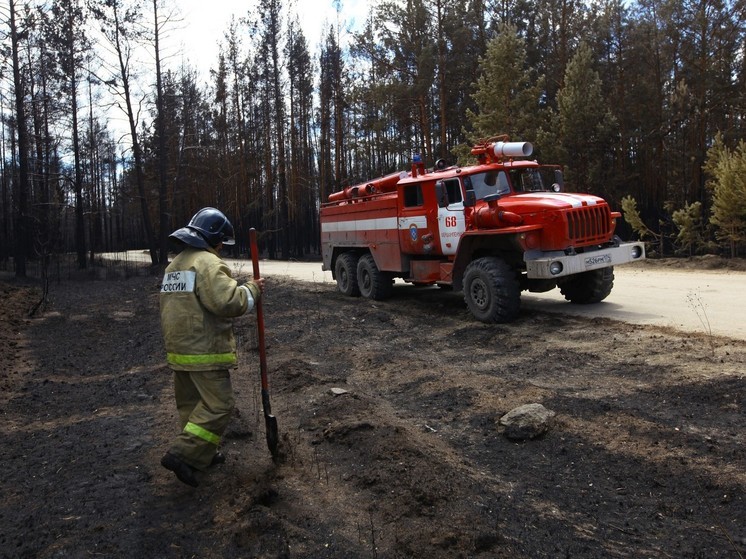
pixel 373 283
pixel 345 270
pixel 491 290
pixel 588 287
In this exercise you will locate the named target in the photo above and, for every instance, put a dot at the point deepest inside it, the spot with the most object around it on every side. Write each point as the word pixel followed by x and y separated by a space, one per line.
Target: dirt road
pixel 705 301
pixel 679 294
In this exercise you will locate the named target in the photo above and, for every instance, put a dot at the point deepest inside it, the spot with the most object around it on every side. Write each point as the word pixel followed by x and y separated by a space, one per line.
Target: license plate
pixel 593 261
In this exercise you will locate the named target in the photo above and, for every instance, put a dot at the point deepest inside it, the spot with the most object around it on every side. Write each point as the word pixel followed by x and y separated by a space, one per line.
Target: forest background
pixel 642 103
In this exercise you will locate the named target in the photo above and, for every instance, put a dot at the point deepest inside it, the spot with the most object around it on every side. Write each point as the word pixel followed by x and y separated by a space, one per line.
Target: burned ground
pixel 645 457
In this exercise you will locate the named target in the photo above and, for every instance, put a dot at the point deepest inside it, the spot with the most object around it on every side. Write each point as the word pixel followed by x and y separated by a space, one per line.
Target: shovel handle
pixel 259 319
pixel 270 421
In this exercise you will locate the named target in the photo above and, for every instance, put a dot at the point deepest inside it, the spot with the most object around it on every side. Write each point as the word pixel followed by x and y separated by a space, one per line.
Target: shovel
pixel 270 420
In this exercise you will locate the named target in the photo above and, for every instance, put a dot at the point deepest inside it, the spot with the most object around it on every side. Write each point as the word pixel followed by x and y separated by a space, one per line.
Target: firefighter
pixel 198 299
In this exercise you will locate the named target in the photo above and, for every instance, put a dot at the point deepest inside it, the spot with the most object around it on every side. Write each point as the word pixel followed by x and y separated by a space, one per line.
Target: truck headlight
pixel 555 268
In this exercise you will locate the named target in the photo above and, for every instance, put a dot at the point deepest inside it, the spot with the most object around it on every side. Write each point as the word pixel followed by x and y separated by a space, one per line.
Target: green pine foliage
pixel 632 216
pixel 729 199
pixel 506 93
pixel 690 238
pixel 586 125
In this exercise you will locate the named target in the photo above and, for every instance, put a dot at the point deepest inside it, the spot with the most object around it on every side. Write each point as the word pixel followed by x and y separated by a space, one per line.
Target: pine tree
pixel 303 189
pixel 20 215
pixel 729 199
pixel 332 105
pixel 507 94
pixel 586 124
pixel 688 220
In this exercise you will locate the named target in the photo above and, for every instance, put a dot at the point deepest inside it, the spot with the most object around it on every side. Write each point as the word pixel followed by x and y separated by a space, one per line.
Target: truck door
pixel 415 233
pixel 451 221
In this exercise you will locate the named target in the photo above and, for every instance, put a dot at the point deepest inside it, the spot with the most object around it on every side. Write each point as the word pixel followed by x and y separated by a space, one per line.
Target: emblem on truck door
pixel 413 232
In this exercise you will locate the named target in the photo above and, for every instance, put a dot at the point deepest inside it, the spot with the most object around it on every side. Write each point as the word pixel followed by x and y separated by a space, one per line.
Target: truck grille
pixel 589 225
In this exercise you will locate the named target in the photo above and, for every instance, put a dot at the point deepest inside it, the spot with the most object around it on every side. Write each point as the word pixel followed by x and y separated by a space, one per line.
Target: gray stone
pixel 526 422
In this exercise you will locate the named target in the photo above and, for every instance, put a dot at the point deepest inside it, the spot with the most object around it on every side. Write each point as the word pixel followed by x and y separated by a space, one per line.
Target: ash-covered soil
pixel 645 458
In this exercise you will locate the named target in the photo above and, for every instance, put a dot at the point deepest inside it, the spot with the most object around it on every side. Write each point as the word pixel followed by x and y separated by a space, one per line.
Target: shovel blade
pixel 273 438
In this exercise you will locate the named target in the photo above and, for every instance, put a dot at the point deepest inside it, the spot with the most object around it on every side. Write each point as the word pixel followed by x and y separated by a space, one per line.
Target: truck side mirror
pixel 559 181
pixel 441 194
pixel 470 200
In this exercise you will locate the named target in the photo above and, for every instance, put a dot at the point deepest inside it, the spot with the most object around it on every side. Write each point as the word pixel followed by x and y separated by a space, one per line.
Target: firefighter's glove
pixel 254 290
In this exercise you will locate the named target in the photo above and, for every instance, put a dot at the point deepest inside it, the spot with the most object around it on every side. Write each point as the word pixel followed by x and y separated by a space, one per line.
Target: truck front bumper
pixel 548 265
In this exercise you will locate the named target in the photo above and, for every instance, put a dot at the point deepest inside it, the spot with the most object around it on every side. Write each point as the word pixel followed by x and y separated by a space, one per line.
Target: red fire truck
pixel 492 230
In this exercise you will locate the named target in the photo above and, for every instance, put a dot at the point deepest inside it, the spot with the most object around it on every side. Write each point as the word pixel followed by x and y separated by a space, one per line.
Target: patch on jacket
pixel 178 282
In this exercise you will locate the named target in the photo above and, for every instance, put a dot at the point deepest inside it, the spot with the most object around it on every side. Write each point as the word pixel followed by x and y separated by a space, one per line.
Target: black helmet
pixel 208 228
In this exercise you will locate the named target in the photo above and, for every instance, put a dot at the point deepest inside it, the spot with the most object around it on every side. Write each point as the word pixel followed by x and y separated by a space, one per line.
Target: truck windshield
pixel 522 179
pixel 529 179
pixel 485 184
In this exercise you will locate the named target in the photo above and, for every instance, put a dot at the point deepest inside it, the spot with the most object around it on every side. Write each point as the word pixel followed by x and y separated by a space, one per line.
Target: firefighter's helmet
pixel 208 228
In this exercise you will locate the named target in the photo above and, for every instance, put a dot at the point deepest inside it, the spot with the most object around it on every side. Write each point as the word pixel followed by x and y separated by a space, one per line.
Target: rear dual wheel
pixel 359 275
pixel 372 282
pixel 345 270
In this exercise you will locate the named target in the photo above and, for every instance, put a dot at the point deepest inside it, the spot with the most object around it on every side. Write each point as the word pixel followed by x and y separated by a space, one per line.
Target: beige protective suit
pixel 198 299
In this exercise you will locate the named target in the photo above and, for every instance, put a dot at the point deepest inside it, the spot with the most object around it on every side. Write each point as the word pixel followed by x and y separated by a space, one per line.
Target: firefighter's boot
pixel 182 470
